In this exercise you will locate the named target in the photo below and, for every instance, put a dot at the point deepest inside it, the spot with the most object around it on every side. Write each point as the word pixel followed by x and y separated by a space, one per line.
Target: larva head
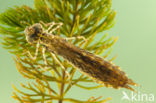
pixel 33 33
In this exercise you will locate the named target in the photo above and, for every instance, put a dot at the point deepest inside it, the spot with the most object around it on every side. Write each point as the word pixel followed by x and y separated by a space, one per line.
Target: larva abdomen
pixel 94 66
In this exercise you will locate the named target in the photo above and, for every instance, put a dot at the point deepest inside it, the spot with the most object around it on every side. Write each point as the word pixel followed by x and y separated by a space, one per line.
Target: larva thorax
pixel 94 66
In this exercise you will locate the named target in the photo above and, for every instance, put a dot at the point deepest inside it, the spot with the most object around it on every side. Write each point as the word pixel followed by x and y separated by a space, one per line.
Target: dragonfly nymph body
pixel 90 64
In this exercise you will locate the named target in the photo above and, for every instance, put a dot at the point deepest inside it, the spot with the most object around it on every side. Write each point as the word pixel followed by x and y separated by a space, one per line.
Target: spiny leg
pixel 46 24
pixel 35 57
pixel 51 29
pixel 51 25
pixel 78 37
pixel 44 57
pixel 46 67
pixel 53 55
pixel 36 52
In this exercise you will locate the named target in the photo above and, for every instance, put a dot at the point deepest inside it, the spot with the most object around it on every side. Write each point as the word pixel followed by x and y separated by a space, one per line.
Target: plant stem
pixel 74 16
pixel 62 87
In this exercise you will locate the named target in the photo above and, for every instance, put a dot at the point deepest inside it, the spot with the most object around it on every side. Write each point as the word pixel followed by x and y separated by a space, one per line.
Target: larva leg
pixel 55 58
pixel 78 37
pixel 47 24
pixel 45 67
pixel 51 29
pixel 36 52
pixel 44 57
pixel 51 25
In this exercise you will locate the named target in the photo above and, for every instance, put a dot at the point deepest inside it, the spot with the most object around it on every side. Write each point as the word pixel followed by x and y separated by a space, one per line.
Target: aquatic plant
pixel 87 18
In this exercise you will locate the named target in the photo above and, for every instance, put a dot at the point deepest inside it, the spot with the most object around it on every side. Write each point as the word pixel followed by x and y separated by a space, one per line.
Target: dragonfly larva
pixel 90 64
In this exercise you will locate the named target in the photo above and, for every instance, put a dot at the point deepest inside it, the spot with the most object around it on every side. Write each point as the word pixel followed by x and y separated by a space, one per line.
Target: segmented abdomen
pixel 94 66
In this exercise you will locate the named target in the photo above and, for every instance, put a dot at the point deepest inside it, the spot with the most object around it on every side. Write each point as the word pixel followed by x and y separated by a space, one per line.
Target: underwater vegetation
pixel 67 44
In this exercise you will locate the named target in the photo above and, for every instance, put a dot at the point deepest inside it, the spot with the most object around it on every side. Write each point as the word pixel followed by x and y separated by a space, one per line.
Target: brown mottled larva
pixel 90 64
